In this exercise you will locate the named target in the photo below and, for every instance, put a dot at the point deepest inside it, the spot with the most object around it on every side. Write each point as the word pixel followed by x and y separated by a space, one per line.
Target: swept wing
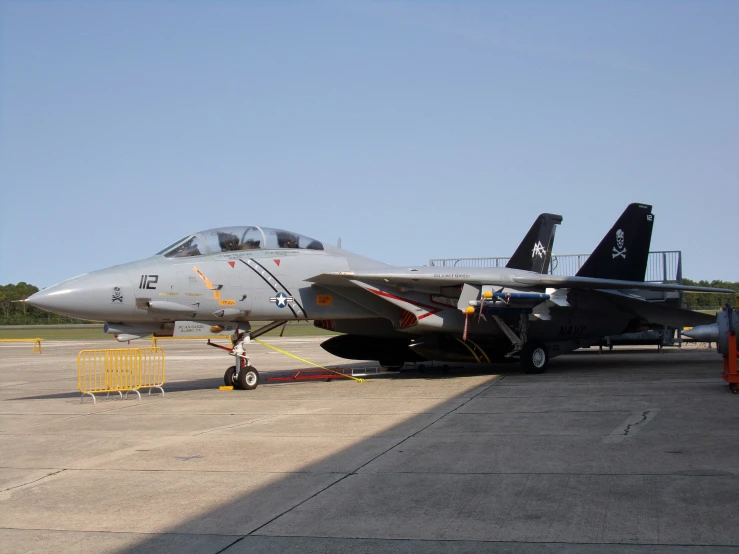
pixel 426 279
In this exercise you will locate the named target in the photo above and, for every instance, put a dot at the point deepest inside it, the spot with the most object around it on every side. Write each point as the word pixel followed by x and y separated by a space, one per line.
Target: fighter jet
pixel 228 277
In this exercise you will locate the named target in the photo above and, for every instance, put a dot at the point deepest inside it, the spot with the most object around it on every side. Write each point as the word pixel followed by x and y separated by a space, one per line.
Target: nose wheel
pixel 229 378
pixel 246 379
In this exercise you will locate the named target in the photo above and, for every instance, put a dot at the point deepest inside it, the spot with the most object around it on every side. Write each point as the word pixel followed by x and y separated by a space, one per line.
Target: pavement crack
pixel 631 425
pixel 34 481
pixel 233 425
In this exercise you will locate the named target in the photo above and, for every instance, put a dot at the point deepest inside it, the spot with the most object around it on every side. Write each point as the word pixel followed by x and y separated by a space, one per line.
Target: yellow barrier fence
pixel 36 343
pixel 184 337
pixel 120 370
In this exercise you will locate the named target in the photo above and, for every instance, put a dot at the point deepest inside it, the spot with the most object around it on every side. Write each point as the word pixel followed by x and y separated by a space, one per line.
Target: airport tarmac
pixel 623 452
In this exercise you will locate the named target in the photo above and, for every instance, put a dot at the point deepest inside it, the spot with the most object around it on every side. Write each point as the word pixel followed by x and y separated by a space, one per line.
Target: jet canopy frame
pixel 228 239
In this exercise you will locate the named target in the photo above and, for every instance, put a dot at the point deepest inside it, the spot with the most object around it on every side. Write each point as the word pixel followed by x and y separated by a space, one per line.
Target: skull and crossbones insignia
pixel 619 249
pixel 117 295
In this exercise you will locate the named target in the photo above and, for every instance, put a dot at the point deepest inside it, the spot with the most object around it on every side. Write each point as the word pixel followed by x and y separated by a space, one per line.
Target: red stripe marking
pixel 431 310
pixel 407 320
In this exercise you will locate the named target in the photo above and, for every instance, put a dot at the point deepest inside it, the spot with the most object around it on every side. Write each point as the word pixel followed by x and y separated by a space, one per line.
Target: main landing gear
pixel 246 377
pixel 534 358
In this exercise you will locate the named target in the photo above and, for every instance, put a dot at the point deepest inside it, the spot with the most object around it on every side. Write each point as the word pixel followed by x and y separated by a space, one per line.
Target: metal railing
pixel 120 370
pixel 663 266
pixel 470 262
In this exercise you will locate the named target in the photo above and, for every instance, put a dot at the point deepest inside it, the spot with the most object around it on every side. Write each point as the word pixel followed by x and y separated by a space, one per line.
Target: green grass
pixel 57 333
pixel 95 332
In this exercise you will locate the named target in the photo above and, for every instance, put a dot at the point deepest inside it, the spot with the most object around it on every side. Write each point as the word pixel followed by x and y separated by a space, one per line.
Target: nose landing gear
pixel 243 375
pixel 246 378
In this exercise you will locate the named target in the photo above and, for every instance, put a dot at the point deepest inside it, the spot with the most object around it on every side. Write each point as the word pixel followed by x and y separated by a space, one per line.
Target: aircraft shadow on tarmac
pixel 57 395
pixel 260 509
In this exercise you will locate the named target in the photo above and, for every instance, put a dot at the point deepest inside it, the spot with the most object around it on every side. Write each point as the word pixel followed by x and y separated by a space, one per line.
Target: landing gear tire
pixel 248 378
pixel 734 388
pixel 229 378
pixel 534 358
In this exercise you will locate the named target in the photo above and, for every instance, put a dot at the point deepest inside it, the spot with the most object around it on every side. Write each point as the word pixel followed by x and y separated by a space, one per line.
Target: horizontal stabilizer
pixel 660 314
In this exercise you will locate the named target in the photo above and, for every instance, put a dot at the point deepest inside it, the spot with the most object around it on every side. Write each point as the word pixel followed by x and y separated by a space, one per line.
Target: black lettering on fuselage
pixel 148 281
pixel 571 330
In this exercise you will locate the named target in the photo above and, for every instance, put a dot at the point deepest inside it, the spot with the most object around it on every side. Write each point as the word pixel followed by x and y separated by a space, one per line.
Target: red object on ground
pixel 731 375
pixel 308 375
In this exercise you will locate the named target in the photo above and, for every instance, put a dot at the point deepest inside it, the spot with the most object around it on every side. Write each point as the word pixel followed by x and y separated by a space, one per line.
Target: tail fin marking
pixel 535 251
pixel 623 252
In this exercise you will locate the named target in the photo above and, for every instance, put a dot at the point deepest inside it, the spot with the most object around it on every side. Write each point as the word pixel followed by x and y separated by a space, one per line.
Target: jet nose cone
pixel 97 296
pixel 56 298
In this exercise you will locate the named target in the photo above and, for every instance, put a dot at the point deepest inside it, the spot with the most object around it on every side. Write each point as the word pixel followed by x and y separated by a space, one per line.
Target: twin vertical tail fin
pixel 623 252
pixel 535 251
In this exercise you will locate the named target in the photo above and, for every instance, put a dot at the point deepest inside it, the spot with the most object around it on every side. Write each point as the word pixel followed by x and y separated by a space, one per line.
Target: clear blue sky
pixel 413 130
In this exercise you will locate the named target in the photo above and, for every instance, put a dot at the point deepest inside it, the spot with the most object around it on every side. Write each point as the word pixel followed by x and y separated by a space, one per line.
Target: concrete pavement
pixel 624 452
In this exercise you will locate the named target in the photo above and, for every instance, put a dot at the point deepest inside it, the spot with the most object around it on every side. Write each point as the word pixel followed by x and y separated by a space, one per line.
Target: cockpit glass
pixel 310 244
pixel 227 239
pixel 277 238
pixel 175 243
pixel 192 246
pixel 253 239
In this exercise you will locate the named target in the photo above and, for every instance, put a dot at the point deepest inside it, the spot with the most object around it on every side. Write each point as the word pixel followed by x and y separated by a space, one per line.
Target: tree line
pixel 13 312
pixel 708 301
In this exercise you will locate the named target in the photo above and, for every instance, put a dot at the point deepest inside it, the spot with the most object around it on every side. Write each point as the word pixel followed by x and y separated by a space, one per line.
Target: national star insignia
pixel 281 299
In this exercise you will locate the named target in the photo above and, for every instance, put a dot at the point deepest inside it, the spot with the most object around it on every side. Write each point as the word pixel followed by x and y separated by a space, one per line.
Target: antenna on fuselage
pixel 338 243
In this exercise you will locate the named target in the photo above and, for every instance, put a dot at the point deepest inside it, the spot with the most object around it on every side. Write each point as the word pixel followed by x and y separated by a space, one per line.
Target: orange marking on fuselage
pixel 208 282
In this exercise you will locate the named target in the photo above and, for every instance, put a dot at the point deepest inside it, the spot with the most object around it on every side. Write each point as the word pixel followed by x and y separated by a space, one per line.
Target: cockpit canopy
pixel 227 239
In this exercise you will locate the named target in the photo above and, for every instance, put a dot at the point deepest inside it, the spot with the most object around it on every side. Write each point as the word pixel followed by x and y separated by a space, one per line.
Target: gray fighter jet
pixel 225 278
